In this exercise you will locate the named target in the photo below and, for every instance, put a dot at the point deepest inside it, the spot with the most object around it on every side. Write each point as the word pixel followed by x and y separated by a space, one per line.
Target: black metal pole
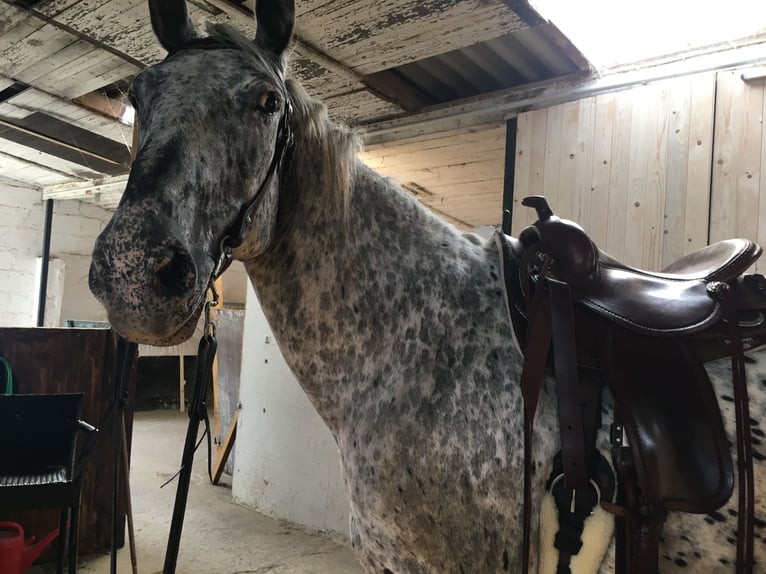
pixel 45 259
pixel 510 173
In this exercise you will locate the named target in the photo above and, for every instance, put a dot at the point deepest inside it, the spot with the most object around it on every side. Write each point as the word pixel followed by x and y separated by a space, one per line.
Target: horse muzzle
pixel 152 294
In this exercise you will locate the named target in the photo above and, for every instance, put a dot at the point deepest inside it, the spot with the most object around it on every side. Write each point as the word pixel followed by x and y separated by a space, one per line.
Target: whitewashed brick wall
pixel 75 227
pixel 21 223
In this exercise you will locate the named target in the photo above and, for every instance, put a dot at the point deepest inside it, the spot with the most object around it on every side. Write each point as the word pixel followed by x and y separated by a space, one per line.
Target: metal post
pixel 46 258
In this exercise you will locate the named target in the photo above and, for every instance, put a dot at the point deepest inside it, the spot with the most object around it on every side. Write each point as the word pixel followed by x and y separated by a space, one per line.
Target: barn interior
pixel 644 124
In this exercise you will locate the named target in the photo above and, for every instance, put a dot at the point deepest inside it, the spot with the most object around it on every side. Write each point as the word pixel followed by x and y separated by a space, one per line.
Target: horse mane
pixel 314 132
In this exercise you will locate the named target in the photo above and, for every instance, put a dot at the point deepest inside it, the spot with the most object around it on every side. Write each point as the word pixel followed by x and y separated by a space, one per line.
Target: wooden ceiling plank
pixel 374 35
pixel 24 136
pixel 29 172
pixel 525 12
pixel 54 8
pixel 10 17
pixel 43 43
pixel 34 100
pixel 396 90
pixel 42 159
pixel 360 104
pixel 54 64
pixel 303 48
pixel 14 38
pixel 5 83
pixel 69 73
pixel 78 31
pixel 10 110
pixel 107 72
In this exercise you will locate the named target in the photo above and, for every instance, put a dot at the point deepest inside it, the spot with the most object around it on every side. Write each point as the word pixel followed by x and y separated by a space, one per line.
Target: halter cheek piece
pixel 236 234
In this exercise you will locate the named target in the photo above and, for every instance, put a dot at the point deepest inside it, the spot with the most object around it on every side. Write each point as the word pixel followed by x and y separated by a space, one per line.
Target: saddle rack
pixel 593 322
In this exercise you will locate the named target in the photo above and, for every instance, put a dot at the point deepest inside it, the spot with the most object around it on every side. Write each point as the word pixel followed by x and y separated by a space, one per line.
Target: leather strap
pixel 746 488
pixel 638 533
pixel 197 412
pixel 570 404
pixel 536 355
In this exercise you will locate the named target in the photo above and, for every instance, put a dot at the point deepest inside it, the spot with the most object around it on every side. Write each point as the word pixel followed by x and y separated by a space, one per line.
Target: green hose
pixel 6 377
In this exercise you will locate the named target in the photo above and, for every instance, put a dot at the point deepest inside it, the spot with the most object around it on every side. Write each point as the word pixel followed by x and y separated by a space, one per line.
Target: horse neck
pixel 341 294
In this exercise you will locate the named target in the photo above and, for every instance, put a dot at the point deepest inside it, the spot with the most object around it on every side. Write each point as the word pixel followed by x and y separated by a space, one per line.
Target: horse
pixel 393 321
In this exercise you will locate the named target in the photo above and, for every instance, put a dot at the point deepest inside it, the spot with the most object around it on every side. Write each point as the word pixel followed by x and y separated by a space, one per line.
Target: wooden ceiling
pixel 428 81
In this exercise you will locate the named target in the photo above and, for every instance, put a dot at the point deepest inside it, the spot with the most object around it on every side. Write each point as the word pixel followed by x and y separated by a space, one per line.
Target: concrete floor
pixel 219 536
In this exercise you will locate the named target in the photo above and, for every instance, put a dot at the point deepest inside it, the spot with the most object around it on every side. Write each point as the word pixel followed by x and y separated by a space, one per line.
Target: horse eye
pixel 269 102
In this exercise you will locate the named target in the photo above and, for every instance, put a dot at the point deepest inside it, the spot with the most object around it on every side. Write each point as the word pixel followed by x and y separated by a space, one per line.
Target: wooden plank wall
pixel 459 174
pixel 632 167
pixel 739 188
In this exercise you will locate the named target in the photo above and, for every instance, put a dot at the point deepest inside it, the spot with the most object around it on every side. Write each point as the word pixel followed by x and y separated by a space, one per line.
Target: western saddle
pixel 592 321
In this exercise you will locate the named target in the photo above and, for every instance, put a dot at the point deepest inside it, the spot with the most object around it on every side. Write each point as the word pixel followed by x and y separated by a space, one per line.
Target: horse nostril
pixel 176 272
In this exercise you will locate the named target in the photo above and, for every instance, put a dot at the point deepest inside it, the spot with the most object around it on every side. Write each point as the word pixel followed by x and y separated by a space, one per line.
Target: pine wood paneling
pixel 622 166
pixel 458 174
pixel 737 204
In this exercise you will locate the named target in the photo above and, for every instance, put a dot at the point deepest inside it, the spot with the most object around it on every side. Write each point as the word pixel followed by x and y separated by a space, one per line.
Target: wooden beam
pixel 228 444
pixel 63 140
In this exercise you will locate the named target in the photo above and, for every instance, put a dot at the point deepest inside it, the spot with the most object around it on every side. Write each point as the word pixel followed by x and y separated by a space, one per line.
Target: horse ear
pixel 171 23
pixel 275 19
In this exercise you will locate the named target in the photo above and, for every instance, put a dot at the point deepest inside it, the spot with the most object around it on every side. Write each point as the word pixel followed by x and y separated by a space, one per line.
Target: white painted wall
pixel 287 463
pixel 21 222
pixel 75 227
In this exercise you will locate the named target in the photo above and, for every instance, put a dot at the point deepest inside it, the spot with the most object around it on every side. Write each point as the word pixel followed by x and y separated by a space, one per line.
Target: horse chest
pixel 433 479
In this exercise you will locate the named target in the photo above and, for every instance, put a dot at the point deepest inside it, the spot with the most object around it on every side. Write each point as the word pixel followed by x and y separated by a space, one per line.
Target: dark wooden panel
pixel 67 360
pixel 66 140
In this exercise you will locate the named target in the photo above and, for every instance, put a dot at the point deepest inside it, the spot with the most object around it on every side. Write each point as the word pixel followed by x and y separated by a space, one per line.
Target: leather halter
pixel 236 234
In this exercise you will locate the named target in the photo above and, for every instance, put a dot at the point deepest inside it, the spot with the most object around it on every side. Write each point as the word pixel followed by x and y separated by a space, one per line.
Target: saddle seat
pixel 670 303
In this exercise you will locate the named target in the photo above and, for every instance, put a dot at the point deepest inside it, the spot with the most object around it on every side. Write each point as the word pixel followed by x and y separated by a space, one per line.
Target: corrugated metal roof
pixel 523 57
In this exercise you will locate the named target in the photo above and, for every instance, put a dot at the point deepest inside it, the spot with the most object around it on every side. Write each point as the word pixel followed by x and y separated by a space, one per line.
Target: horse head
pixel 213 125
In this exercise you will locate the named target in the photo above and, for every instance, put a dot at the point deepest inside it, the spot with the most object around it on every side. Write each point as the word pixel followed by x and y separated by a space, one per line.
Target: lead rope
pixel 197 413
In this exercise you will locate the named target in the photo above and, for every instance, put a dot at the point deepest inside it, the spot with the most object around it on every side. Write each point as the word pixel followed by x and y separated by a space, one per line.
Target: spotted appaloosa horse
pixel 393 322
